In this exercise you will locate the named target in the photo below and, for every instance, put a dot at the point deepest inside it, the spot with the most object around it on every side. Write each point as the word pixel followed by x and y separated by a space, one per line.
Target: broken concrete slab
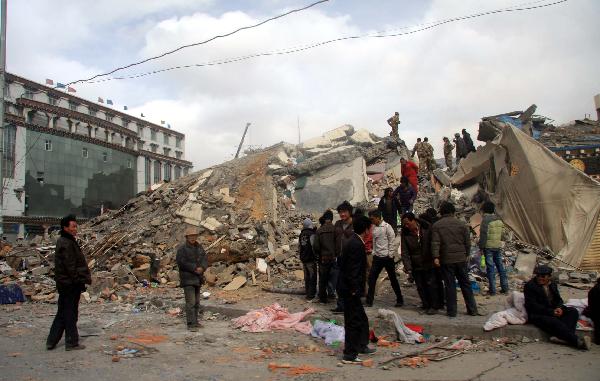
pixel 376 168
pixel 211 224
pixel 335 156
pixel 191 212
pixel 362 138
pixel 340 133
pixel 261 265
pixel 318 142
pixel 235 284
pixel 525 265
pixel 442 177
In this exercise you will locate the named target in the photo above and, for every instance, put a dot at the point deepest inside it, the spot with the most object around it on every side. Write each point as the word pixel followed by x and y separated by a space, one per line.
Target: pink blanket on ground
pixel 274 317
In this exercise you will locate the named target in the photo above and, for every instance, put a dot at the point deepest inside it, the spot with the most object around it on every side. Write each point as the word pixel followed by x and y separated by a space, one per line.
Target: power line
pixel 285 51
pixel 200 43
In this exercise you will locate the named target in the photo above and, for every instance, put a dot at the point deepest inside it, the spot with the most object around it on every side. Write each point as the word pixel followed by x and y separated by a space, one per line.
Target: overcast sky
pixel 440 80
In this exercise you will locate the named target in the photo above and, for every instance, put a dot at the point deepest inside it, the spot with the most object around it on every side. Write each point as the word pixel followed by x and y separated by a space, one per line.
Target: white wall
pixel 11 205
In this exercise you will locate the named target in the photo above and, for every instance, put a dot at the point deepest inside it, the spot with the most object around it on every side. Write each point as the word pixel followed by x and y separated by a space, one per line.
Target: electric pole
pixel 242 141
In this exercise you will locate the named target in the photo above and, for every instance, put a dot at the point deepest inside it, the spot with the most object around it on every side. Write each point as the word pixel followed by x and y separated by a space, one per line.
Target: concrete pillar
pixel 597 104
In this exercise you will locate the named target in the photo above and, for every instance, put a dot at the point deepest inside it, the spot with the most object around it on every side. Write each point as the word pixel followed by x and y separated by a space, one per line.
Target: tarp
pixel 545 200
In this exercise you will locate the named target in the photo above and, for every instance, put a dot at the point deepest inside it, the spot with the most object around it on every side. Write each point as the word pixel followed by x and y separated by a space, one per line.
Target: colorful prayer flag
pixel 71 90
pixel 125 108
pixel 60 85
pixel 49 82
pixel 109 102
pixel 100 100
pixel 142 114
pixel 162 122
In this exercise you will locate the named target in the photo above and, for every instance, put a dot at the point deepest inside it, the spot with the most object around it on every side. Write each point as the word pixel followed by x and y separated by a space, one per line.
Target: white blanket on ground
pixel 515 314
pixel 405 334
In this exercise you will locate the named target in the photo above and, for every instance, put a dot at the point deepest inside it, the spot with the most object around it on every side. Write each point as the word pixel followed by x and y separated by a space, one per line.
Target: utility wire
pixel 200 43
pixel 284 51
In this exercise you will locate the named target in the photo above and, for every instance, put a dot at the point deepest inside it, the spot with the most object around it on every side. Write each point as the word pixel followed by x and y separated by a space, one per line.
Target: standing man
pixel 343 232
pixel 461 148
pixel 353 262
pixel 192 262
pixel 383 257
pixel 545 310
pixel 429 160
pixel 450 247
pixel 593 310
pixel 490 243
pixel 406 195
pixel 324 248
pixel 307 257
pixel 394 121
pixel 389 207
pixel 468 141
pixel 420 150
pixel 71 274
pixel 448 148
pixel 410 170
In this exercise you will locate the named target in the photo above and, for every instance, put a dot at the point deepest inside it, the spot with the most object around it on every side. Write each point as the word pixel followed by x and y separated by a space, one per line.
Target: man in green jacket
pixel 490 239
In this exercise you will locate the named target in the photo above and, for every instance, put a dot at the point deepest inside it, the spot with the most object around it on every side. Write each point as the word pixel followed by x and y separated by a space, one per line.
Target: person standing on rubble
pixel 393 122
pixel 389 207
pixel 490 243
pixel 461 148
pixel 324 248
pixel 450 247
pixel 353 262
pixel 71 274
pixel 429 160
pixel 343 232
pixel 383 257
pixel 307 257
pixel 546 310
pixel 468 141
pixel 406 195
pixel 448 148
pixel 420 150
pixel 410 170
pixel 192 262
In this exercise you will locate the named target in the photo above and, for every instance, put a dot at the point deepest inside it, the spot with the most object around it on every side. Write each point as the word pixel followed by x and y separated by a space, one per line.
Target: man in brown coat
pixel 71 274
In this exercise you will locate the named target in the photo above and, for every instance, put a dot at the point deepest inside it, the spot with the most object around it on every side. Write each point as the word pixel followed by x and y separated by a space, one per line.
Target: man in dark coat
pixel 450 247
pixel 389 207
pixel 468 141
pixel 545 309
pixel 192 262
pixel 353 264
pixel 593 310
pixel 343 232
pixel 324 248
pixel 307 257
pixel 406 195
pixel 71 274
pixel 461 148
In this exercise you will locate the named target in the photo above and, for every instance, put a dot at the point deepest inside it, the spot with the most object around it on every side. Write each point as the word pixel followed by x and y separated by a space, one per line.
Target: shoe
pixel 477 313
pixel 556 340
pixel 355 360
pixel 337 311
pixel 368 351
pixel 50 346
pixel 586 343
pixel 75 347
pixel 399 304
pixel 192 328
pixel 504 291
pixel 430 311
pixel 451 316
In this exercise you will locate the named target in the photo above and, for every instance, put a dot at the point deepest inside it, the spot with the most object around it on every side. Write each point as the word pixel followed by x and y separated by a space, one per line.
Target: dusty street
pixel 166 351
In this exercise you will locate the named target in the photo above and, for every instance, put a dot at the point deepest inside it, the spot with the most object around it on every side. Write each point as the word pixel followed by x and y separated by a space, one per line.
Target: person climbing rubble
pixel 429 159
pixel 546 310
pixel 419 148
pixel 383 257
pixel 448 148
pixel 324 248
pixel 410 170
pixel 343 232
pixel 192 261
pixel 393 122
pixel 490 243
pixel 450 247
pixel 352 263
pixel 406 195
pixel 307 257
pixel 461 148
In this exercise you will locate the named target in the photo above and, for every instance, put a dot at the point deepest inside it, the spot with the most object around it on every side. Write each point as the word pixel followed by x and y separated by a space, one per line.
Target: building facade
pixel 64 154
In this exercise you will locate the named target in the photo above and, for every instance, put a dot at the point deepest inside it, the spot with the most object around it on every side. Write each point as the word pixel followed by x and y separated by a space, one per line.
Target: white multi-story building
pixel 64 154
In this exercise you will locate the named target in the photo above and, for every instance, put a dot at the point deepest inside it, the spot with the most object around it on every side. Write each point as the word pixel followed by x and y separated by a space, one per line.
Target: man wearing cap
pixel 545 310
pixel 307 257
pixel 192 262
pixel 394 121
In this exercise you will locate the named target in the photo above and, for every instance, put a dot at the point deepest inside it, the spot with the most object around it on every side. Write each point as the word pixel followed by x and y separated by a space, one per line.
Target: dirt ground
pixel 218 352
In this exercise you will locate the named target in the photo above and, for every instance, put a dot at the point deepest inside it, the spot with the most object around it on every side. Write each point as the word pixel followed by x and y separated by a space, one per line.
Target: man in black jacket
pixel 545 310
pixel 324 248
pixel 593 310
pixel 343 232
pixel 192 262
pixel 353 265
pixel 307 257
pixel 71 274
pixel 389 205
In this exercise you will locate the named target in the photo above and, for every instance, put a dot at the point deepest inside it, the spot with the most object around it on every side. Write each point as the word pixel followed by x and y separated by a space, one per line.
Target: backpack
pixel 306 251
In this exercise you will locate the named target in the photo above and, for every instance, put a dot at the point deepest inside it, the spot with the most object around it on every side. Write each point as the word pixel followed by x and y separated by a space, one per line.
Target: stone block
pixel 340 133
pixel 211 224
pixel 191 212
pixel 362 138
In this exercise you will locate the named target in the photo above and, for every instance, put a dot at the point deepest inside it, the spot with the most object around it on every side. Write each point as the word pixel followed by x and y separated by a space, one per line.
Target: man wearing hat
pixel 192 262
pixel 393 122
pixel 546 310
pixel 307 257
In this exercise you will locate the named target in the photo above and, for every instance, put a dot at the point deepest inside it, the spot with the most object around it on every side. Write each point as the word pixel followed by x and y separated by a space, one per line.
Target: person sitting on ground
pixel 353 262
pixel 546 310
pixel 389 207
pixel 406 195
pixel 450 247
pixel 414 262
pixel 490 243
pixel 383 257
pixel 307 257
pixel 324 248
pixel 192 262
pixel 593 309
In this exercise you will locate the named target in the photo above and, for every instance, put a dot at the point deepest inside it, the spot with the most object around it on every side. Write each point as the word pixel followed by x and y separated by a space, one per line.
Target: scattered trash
pixel 331 332
pixel 274 317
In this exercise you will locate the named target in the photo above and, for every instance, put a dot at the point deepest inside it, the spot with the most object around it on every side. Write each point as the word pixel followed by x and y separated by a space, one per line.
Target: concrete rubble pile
pixel 249 212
